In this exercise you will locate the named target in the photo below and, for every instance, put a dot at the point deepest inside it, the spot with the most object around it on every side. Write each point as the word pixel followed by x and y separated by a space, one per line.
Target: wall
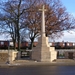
pixel 6 55
pixel 66 53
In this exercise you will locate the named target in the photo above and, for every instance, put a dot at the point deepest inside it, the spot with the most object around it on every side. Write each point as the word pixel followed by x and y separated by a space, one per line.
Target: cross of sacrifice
pixel 43 20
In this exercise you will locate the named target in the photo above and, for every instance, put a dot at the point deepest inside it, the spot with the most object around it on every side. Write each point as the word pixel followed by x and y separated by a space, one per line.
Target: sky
pixel 69 4
pixel 70 8
pixel 68 36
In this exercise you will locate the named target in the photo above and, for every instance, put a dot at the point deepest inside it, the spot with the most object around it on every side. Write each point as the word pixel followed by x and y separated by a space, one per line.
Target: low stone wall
pixel 68 53
pixel 6 55
pixel 3 57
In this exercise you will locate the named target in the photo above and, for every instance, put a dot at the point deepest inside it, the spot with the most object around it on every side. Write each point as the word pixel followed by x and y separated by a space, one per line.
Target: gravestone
pixel 43 52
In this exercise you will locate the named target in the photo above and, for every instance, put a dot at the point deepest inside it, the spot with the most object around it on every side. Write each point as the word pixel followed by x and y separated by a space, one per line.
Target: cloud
pixel 68 37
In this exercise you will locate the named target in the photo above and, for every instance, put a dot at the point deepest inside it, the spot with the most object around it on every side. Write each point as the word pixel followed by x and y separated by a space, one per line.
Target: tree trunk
pixel 14 44
pixel 31 45
pixel 18 38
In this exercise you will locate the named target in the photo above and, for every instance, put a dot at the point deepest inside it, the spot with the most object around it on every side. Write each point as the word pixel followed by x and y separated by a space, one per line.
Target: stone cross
pixel 43 21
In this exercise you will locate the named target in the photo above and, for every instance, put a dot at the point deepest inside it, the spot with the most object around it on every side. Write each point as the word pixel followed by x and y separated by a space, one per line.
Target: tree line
pixel 22 19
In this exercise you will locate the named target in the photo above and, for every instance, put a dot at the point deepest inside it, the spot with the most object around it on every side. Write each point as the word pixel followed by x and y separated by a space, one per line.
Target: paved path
pixel 57 62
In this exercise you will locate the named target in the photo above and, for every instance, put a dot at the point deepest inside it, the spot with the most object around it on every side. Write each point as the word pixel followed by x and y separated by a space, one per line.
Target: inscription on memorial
pixel 24 54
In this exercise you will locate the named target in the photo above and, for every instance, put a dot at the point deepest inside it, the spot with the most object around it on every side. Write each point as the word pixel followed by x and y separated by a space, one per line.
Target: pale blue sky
pixel 69 4
pixel 70 7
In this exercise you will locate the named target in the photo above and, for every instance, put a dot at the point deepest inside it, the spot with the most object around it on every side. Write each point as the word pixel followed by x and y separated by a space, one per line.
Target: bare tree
pixel 57 19
pixel 13 17
pixel 21 14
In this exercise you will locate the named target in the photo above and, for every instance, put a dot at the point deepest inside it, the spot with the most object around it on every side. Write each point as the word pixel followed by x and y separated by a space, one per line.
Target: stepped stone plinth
pixel 43 52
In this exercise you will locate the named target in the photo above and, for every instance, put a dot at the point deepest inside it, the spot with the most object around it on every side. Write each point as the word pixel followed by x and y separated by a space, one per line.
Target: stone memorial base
pixel 43 52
